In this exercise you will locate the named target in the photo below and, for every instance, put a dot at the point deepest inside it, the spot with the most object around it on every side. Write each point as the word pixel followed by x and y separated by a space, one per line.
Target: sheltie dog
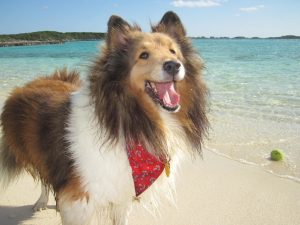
pixel 103 143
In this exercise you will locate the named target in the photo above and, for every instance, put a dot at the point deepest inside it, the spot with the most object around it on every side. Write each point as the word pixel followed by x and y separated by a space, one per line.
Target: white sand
pixel 213 191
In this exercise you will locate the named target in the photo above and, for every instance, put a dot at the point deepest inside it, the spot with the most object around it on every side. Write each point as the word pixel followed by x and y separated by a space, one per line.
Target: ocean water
pixel 254 93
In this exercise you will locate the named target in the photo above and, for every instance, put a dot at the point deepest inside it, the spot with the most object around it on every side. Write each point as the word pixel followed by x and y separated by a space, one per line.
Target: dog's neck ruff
pixel 146 168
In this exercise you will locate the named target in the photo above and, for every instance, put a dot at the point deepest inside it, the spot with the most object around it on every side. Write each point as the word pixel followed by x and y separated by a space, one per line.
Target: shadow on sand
pixel 15 215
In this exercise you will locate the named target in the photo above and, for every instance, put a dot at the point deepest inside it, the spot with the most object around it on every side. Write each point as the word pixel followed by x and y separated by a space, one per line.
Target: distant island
pixel 242 37
pixel 53 37
pixel 47 37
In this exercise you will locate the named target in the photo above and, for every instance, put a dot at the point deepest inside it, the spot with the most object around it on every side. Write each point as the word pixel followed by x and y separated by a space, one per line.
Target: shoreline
pixel 215 190
pixel 257 165
pixel 29 43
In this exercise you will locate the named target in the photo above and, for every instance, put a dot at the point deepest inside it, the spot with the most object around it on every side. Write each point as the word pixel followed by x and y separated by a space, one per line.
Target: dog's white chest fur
pixel 103 167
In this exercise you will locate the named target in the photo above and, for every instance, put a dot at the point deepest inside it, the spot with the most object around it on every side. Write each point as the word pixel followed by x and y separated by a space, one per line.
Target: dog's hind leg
pixel 42 202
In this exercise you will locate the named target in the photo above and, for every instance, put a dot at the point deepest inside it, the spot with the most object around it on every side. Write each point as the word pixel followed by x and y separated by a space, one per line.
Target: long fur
pixel 9 167
pixel 73 135
pixel 33 119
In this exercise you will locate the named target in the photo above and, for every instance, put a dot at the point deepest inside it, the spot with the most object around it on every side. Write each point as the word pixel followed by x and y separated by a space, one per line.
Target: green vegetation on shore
pixel 54 37
pixel 46 37
pixel 70 36
pixel 51 36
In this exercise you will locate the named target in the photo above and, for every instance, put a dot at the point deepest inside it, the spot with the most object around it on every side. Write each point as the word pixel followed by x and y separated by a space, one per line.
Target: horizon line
pixel 192 36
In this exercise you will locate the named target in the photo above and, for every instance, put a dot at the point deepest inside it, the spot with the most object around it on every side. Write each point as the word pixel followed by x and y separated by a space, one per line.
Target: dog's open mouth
pixel 164 94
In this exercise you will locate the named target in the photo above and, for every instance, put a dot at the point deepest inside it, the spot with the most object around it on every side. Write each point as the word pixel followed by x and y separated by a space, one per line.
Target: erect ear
pixel 170 24
pixel 117 33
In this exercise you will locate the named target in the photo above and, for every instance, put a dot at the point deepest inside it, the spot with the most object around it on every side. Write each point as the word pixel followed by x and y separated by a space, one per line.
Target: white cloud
pixel 45 7
pixel 252 8
pixel 196 3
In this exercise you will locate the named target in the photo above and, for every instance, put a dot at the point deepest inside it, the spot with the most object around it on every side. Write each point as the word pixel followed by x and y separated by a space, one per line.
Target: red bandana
pixel 146 168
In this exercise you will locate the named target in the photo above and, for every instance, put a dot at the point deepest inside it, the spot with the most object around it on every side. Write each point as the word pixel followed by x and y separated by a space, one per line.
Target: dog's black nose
pixel 171 67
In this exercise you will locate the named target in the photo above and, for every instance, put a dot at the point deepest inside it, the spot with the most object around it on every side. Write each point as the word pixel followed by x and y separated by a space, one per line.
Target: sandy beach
pixel 212 191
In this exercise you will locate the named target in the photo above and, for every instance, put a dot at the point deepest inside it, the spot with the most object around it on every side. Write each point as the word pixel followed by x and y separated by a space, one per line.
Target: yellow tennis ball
pixel 277 155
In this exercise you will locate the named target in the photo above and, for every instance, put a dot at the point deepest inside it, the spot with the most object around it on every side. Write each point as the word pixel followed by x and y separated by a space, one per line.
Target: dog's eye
pixel 144 55
pixel 172 51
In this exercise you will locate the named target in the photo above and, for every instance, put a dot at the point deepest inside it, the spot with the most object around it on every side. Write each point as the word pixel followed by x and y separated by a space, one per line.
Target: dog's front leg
pixel 82 212
pixel 76 211
pixel 119 214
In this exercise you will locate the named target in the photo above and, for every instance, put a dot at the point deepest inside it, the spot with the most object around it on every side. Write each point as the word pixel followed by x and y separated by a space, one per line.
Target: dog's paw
pixel 39 206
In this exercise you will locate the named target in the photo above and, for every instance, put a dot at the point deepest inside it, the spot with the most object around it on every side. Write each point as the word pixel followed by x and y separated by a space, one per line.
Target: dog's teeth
pixel 153 86
pixel 148 85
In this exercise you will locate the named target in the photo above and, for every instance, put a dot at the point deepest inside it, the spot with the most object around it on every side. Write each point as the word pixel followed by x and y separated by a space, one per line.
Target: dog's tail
pixel 9 169
pixel 64 75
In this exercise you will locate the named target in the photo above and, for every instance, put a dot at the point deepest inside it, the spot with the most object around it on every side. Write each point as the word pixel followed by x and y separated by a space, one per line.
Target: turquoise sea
pixel 254 92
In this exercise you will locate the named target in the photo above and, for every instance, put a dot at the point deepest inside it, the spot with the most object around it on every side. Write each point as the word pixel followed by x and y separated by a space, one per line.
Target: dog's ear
pixel 117 33
pixel 171 25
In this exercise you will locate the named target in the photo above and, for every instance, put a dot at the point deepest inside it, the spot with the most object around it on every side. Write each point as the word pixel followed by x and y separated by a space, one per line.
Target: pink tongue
pixel 167 93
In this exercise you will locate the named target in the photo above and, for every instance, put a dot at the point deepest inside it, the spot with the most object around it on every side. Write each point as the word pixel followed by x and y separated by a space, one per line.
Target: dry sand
pixel 213 191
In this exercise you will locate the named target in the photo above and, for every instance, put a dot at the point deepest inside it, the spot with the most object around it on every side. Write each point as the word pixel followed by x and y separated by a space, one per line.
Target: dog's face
pixel 155 63
pixel 157 66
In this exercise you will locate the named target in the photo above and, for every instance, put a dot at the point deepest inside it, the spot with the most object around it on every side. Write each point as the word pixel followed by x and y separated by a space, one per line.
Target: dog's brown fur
pixel 33 122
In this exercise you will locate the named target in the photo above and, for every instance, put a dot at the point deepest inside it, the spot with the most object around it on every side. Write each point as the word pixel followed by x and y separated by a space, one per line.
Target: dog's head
pixel 155 61
pixel 139 76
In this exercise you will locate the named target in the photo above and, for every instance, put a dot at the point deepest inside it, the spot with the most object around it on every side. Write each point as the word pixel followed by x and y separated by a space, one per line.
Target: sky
pixel 231 18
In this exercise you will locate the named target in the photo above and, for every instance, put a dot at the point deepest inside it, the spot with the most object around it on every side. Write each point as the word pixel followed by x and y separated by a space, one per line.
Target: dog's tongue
pixel 167 93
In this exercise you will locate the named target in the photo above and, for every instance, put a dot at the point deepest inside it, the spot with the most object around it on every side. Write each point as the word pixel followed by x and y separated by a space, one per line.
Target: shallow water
pixel 254 92
pixel 255 100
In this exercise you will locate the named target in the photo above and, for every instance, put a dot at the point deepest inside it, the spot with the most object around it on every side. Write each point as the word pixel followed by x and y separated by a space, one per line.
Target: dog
pixel 116 138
